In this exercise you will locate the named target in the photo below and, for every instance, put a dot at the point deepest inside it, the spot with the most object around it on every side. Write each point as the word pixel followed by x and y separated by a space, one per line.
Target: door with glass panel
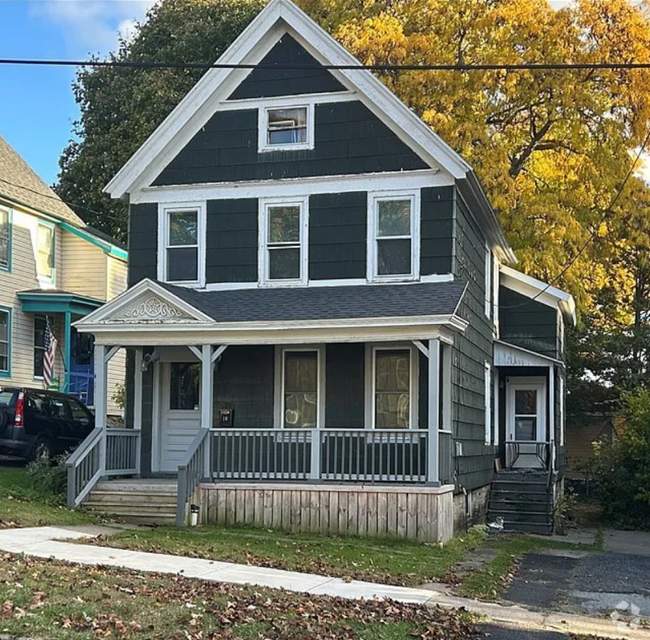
pixel 526 422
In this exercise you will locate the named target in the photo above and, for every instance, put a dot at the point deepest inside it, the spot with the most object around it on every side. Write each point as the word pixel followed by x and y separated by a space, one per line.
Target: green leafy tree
pixel 121 107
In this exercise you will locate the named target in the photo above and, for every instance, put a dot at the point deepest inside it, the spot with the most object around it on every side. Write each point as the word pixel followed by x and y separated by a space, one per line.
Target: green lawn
pixel 60 602
pixel 391 561
pixel 23 505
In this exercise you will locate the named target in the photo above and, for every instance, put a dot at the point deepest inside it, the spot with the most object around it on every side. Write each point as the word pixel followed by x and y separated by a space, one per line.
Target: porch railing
pixel 190 473
pixel 348 455
pixel 85 466
pixel 541 451
pixel 82 386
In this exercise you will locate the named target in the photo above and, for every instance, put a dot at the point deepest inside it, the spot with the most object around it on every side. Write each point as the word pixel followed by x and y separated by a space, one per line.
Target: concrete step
pixel 132 497
pixel 111 507
pixel 512 516
pixel 528 527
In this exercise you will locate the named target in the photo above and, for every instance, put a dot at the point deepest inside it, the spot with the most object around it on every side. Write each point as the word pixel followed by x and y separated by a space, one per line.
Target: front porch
pixel 343 407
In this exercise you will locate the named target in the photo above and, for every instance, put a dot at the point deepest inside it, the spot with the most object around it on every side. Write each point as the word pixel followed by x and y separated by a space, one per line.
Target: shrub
pixel 622 471
pixel 48 476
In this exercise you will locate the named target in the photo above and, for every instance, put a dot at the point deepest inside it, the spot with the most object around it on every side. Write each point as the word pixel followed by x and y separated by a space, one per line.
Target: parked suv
pixel 35 422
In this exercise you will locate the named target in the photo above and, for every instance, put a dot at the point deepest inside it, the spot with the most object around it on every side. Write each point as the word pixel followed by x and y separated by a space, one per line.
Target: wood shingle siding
pixel 471 350
pixel 528 323
pixel 231 244
pixel 337 236
pixel 143 242
pixel 264 83
pixel 436 228
pixel 349 140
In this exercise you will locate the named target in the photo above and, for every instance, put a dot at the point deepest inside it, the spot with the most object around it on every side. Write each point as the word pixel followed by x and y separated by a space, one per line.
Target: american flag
pixel 49 342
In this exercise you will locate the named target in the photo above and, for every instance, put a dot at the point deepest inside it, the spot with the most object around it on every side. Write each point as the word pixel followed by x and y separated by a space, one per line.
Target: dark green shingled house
pixel 324 331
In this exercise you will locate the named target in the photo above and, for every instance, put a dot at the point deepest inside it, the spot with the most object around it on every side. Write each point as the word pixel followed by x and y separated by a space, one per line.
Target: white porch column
pixel 207 398
pixel 433 437
pixel 551 413
pixel 101 399
pixel 137 403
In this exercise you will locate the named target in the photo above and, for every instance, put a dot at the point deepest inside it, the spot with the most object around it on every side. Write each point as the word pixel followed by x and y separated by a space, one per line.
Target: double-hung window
pixel 288 128
pixel 45 234
pixel 300 387
pixel 5 341
pixel 394 387
pixel 393 242
pixel 283 242
pixel 5 239
pixel 181 244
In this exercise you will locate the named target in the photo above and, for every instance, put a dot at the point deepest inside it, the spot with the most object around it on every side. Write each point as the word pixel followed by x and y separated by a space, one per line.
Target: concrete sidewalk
pixel 50 542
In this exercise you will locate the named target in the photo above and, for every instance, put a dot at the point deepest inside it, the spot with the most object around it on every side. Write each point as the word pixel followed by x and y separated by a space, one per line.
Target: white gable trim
pixel 279 17
pixel 509 355
pixel 111 310
pixel 542 292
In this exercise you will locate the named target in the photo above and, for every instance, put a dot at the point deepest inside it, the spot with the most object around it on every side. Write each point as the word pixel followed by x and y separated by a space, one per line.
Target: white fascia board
pixel 294 187
pixel 103 315
pixel 367 330
pixel 542 292
pixel 508 355
pixel 277 18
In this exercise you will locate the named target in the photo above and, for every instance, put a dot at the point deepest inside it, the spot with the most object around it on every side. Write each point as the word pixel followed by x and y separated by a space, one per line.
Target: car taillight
pixel 19 419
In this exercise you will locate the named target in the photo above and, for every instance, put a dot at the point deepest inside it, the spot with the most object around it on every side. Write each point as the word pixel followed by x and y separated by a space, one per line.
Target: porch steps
pixel 523 500
pixel 135 501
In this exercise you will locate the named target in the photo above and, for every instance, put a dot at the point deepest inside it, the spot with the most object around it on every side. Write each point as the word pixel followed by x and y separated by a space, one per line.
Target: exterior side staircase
pixel 523 501
pixel 135 501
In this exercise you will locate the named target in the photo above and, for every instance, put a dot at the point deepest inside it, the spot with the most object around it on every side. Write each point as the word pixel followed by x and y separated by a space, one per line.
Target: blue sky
pixel 37 106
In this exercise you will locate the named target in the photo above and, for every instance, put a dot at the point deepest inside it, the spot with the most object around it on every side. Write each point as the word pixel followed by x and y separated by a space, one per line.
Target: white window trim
pixel 539 385
pixel 8 212
pixel 495 295
pixel 163 217
pixel 263 251
pixel 263 145
pixel 278 404
pixel 374 197
pixel 489 274
pixel 488 402
pixel 47 280
pixel 371 377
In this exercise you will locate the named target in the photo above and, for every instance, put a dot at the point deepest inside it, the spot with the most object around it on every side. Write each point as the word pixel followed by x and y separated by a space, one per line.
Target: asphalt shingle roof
pixel 19 183
pixel 325 303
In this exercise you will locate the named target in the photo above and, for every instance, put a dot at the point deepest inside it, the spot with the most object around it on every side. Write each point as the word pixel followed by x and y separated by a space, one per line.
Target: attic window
pixel 286 128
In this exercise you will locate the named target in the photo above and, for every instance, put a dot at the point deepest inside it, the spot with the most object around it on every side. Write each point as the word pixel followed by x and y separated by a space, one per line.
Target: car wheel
pixel 42 447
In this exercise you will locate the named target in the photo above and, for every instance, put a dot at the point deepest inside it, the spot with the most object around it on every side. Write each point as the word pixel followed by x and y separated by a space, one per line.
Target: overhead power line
pixel 544 66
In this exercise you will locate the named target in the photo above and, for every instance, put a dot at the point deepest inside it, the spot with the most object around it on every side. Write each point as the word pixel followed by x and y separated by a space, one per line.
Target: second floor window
pixel 45 252
pixel 284 242
pixel 393 246
pixel 181 249
pixel 5 239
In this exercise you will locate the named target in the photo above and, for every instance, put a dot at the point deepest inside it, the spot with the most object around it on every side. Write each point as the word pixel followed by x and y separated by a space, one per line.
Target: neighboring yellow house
pixel 52 266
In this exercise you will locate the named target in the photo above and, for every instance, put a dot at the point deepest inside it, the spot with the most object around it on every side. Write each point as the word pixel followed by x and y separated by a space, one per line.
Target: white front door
pixel 180 416
pixel 525 422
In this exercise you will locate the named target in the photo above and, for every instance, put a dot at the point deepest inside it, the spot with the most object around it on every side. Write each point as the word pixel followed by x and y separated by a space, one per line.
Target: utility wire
pixel 545 66
pixel 592 234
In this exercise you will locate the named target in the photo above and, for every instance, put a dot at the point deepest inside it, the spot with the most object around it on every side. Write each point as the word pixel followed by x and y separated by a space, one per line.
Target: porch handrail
pixel 190 473
pixel 83 468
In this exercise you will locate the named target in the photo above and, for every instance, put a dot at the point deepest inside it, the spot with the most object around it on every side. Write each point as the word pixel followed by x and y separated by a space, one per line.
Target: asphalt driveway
pixel 614 582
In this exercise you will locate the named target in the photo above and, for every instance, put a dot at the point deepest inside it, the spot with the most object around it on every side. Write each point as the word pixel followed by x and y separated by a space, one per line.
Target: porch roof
pixel 325 303
pixel 57 301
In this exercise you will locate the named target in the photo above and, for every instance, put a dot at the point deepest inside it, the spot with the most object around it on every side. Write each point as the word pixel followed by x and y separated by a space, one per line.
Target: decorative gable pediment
pixel 151 309
pixel 147 303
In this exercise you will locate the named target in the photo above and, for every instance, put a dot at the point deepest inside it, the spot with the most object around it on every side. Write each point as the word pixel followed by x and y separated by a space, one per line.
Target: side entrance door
pixel 526 422
pixel 180 416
